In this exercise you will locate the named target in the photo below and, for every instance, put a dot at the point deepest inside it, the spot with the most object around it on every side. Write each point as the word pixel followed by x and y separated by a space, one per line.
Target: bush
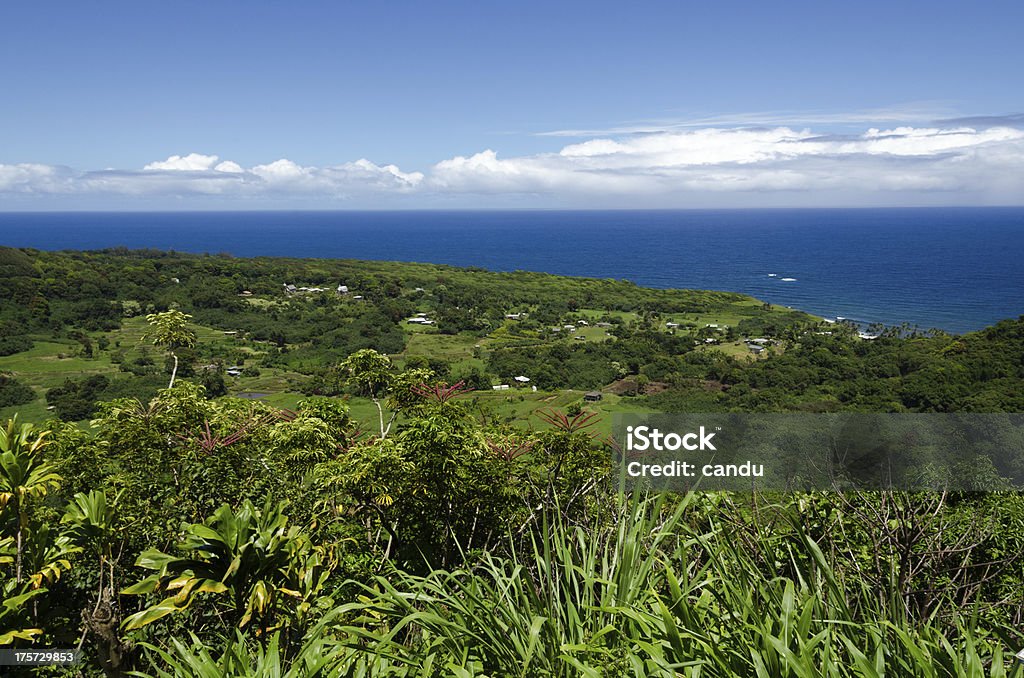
pixel 13 392
pixel 76 399
pixel 12 345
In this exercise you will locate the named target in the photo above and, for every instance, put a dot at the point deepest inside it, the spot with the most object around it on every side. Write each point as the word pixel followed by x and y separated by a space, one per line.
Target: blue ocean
pixel 955 269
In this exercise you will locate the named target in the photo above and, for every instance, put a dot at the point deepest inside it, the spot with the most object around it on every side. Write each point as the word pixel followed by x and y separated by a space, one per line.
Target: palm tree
pixel 170 330
pixel 24 476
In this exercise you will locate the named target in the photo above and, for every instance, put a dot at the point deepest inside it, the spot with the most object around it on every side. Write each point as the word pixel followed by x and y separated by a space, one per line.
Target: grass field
pixel 46 365
pixel 51 361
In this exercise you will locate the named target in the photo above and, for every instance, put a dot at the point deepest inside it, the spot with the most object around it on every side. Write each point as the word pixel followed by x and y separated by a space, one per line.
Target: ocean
pixel 956 269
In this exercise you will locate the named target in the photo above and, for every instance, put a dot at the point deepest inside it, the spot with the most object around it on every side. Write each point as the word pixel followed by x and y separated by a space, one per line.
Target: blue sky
pixel 416 104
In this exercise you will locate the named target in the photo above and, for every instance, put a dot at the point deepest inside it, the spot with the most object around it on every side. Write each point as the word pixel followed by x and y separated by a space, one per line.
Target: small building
pixel 671 325
pixel 592 396
pixel 582 323
pixel 342 289
pixel 513 316
pixel 522 381
pixel 605 325
pixel 756 349
pixel 245 293
pixel 290 289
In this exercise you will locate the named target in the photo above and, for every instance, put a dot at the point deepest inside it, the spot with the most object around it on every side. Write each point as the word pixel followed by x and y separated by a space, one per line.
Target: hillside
pixel 347 478
pixel 72 327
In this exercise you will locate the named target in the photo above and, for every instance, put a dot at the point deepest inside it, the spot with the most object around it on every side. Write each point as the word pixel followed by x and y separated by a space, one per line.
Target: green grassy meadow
pixel 51 361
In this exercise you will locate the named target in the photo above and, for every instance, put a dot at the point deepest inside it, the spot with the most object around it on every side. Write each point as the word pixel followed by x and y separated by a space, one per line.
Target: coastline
pixel 952 269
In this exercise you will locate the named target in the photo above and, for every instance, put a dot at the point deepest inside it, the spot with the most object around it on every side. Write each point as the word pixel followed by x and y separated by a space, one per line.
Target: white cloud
pixel 193 162
pixel 711 166
pixel 33 178
pixel 683 165
pixel 229 166
pixel 351 177
pixel 910 114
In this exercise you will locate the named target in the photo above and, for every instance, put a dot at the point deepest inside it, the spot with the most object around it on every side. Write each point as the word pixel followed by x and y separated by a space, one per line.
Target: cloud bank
pixel 951 163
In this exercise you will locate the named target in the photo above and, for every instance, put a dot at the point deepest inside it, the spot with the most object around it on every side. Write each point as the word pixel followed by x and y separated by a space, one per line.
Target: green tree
pixel 369 372
pixel 170 330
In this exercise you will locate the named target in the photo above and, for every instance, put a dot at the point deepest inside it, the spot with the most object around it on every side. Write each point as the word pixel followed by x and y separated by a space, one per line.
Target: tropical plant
pixel 15 597
pixel 250 560
pixel 24 476
pixel 369 372
pixel 93 525
pixel 170 330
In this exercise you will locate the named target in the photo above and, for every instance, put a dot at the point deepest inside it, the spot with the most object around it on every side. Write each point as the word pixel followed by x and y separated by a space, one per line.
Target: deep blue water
pixel 957 269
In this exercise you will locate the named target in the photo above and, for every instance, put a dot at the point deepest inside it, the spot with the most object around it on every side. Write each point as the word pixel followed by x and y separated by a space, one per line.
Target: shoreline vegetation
pixel 389 469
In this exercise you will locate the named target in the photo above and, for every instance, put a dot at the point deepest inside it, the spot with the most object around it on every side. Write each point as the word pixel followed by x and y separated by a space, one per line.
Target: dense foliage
pixel 172 531
pixel 196 536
